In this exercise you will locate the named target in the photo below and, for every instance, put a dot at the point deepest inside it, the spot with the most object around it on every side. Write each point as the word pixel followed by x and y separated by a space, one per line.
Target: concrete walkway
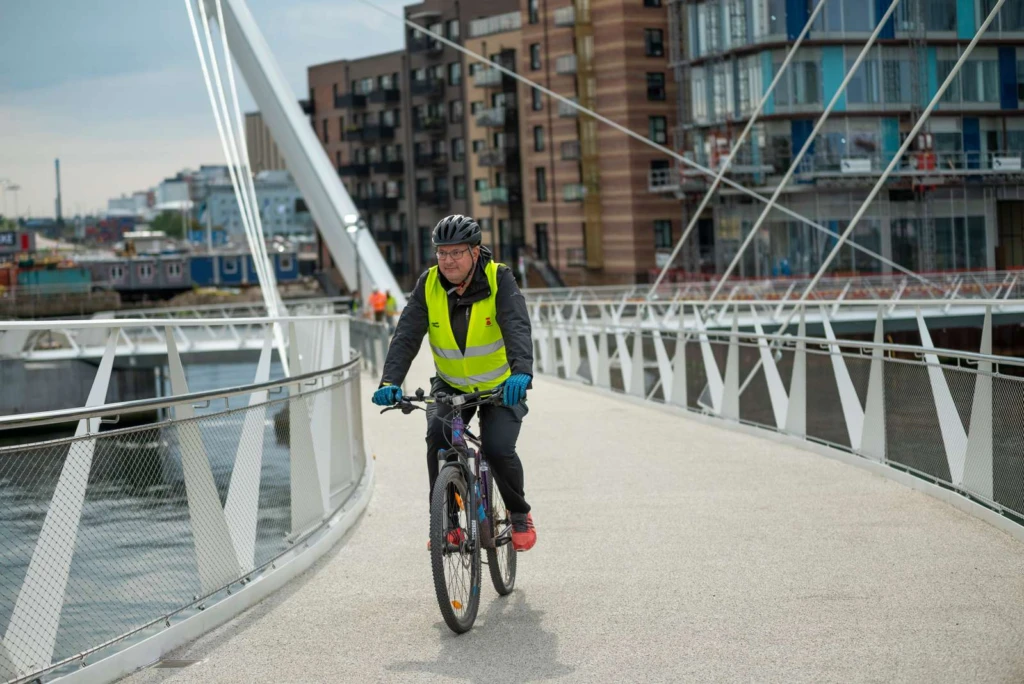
pixel 667 551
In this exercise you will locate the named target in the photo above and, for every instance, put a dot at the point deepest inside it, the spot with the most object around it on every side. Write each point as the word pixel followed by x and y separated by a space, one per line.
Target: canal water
pixel 134 556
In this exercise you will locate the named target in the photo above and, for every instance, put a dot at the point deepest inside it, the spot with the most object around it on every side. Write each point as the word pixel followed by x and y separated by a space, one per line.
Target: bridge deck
pixel 668 550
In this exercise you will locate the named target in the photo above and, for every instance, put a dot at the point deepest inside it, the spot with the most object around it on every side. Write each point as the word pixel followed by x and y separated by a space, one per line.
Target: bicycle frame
pixel 478 478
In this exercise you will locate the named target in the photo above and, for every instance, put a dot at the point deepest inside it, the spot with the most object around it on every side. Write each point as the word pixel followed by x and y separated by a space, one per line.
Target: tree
pixel 170 223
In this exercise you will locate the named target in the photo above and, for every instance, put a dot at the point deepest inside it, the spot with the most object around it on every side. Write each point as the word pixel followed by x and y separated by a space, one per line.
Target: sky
pixel 114 88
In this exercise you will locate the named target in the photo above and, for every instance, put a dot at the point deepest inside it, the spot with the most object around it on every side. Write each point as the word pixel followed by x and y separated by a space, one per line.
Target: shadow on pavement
pixel 507 644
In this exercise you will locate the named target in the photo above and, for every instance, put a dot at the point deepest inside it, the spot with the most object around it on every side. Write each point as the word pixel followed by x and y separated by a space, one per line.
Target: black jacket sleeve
pixel 514 319
pixel 409 332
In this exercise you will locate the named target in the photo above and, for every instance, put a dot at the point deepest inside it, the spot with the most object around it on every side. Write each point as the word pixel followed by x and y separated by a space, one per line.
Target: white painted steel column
pixel 308 493
pixel 678 395
pixel 242 506
pixel 711 370
pixel 872 441
pixel 796 413
pixel 978 461
pixel 776 390
pixel 731 394
pixel 954 437
pixel 215 551
pixel 852 410
pixel 31 634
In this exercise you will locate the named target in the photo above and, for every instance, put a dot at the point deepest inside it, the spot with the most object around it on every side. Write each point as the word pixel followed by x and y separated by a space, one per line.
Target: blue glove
pixel 387 395
pixel 515 389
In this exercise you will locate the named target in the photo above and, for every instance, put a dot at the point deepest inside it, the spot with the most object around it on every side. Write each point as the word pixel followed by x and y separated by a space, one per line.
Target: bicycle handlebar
pixel 406 404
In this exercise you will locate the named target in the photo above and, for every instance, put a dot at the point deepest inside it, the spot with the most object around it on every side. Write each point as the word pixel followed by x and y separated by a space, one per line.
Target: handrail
pixel 138 405
pixel 734 303
pixel 52 324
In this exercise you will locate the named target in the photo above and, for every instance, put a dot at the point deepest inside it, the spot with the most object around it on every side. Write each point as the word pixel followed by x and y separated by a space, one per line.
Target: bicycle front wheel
pixel 454 555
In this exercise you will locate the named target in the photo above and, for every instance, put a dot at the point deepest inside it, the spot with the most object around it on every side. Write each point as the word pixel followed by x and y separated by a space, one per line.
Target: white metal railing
pixel 867 398
pixel 494 116
pixel 90 516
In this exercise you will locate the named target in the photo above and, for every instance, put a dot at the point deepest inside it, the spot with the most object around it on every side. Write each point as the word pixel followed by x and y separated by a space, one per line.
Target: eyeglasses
pixel 454 254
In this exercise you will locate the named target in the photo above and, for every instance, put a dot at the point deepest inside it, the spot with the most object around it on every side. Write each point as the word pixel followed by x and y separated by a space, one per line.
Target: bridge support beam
pixel 978 465
pixel 853 412
pixel 796 412
pixel 307 491
pixel 872 442
pixel 954 437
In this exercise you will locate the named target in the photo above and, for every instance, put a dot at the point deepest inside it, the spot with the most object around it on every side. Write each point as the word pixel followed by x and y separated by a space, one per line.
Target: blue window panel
pixel 933 76
pixel 965 24
pixel 1008 77
pixel 801 131
pixel 833 68
pixel 972 142
pixel 767 74
pixel 889 30
pixel 797 15
pixel 890 138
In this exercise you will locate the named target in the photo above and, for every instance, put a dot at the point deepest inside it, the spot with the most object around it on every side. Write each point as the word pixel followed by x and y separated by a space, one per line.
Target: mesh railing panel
pixel 134 554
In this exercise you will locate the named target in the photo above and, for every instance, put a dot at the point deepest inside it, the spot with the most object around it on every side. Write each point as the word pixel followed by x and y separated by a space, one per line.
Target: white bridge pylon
pixel 326 197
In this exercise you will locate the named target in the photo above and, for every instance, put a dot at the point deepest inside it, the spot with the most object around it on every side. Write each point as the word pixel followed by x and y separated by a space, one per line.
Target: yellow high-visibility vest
pixel 483 365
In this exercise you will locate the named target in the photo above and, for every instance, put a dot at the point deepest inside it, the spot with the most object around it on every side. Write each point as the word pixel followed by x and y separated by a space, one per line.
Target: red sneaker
pixel 455 537
pixel 524 536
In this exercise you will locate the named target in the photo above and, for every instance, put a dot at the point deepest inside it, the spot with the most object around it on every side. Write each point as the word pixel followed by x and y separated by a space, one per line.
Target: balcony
pixel 376 203
pixel 426 44
pixel 565 65
pixel 350 170
pixel 493 196
pixel 375 132
pixel 353 133
pixel 487 78
pixel 571 150
pixel 386 96
pixel 395 167
pixel 491 157
pixel 436 198
pixel 565 16
pixel 349 101
pixel 491 118
pixel 431 87
pixel 437 160
pixel 430 124
pixel 567 111
pixel 573 192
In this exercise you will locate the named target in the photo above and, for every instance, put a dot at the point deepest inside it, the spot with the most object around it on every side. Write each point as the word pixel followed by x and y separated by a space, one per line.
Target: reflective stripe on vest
pixel 483 365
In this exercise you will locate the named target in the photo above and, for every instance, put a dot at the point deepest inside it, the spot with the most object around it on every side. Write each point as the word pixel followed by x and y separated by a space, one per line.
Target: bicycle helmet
pixel 456 230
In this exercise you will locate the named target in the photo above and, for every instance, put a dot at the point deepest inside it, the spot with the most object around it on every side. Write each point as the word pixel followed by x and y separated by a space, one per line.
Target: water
pixel 134 556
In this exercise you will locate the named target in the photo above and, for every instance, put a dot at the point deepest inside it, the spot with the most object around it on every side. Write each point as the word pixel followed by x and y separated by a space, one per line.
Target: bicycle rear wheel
pixel 456 566
pixel 501 560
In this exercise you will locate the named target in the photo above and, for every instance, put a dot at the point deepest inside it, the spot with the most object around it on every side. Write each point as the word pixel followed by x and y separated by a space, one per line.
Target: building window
pixel 534 56
pixel 146 271
pixel 174 270
pixel 454 73
pixel 475 107
pixel 542 184
pixel 230 265
pixel 455 111
pixel 655 86
pixel 534 13
pixel 538 100
pixel 453 29
pixel 480 184
pixel 653 45
pixel 662 234
pixel 540 232
pixel 117 273
pixel 460 187
pixel 458 149
pixel 652 3
pixel 285 262
pixel 478 145
pixel 538 138
pixel 657 129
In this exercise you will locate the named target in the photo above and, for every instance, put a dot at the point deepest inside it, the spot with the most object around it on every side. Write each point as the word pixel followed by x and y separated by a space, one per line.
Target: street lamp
pixel 353 225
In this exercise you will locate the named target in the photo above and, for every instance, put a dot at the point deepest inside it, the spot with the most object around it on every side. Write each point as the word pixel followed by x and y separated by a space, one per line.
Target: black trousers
pixel 499 430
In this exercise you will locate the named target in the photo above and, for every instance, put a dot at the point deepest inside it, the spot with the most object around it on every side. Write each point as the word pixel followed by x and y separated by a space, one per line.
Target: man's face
pixel 456 261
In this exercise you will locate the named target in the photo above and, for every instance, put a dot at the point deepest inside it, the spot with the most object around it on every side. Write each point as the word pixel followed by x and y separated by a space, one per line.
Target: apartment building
pixel 951 203
pixel 358 114
pixel 494 175
pixel 585 184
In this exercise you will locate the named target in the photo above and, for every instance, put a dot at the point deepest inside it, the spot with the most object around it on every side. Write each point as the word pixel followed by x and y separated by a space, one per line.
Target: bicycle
pixel 467 513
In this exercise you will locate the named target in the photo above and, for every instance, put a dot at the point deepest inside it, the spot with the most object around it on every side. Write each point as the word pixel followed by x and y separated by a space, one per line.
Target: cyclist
pixel 480 337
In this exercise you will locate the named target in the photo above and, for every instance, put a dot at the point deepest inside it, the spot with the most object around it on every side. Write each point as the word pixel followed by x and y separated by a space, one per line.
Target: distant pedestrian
pixel 390 309
pixel 378 302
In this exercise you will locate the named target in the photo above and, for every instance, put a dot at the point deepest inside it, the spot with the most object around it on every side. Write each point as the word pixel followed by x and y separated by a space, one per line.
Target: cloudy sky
pixel 114 88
